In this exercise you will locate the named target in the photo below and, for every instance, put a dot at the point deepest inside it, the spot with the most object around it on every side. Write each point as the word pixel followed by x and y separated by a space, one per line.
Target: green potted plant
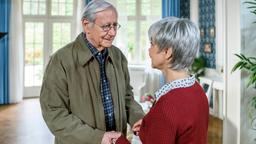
pixel 198 67
pixel 252 6
pixel 249 64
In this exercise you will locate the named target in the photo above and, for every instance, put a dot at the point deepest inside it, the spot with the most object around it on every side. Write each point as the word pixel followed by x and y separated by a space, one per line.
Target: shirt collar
pixel 94 51
pixel 180 83
pixel 84 53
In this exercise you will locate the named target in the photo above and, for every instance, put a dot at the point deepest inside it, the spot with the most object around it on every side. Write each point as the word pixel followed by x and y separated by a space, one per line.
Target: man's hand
pixel 110 137
pixel 136 127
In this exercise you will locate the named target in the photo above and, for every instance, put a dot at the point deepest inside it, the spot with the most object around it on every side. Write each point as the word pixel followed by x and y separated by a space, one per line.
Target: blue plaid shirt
pixel 105 90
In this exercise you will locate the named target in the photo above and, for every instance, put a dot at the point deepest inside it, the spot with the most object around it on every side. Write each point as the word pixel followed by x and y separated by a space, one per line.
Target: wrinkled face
pixel 96 32
pixel 159 60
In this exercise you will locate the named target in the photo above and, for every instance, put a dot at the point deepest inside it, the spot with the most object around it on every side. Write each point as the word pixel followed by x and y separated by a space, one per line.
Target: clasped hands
pixel 112 136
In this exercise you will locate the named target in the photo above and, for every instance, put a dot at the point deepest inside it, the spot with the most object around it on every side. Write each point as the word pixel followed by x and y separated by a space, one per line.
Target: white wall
pixel 220 35
pixel 232 81
pixel 228 42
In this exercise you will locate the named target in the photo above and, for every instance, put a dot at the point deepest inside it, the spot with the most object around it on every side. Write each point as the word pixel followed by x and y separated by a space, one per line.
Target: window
pixel 135 17
pixel 48 26
pixel 33 52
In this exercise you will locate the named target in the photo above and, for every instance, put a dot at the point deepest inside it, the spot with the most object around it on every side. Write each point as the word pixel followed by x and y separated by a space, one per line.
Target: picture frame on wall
pixel 207 47
pixel 202 32
pixel 212 32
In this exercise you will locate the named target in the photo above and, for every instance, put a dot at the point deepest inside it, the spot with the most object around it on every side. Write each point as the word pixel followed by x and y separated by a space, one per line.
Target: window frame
pixel 48 20
pixel 138 19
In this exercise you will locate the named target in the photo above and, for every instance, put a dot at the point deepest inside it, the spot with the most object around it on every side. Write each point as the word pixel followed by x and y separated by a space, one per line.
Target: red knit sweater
pixel 178 117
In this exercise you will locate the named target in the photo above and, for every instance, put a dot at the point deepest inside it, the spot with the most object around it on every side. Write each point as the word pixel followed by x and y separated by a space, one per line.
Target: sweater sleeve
pixel 122 140
pixel 157 127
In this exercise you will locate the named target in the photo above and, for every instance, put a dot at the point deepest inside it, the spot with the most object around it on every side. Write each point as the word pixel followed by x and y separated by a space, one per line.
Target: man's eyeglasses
pixel 107 27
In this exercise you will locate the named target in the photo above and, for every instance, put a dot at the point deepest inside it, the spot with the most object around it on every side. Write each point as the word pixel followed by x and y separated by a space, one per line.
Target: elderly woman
pixel 180 113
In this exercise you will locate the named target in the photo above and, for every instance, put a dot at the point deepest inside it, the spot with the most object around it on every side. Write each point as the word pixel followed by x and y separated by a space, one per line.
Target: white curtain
pixel 16 53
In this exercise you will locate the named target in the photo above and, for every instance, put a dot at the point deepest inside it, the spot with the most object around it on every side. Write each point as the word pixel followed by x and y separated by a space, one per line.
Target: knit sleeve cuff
pixel 122 140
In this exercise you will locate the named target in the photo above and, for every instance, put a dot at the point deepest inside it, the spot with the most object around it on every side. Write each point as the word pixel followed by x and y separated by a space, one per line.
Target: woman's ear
pixel 168 53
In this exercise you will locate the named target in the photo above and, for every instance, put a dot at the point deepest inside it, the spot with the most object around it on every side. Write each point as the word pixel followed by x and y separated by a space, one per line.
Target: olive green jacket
pixel 70 96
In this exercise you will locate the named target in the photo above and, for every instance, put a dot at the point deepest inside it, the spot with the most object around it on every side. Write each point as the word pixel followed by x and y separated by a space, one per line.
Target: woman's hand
pixel 136 127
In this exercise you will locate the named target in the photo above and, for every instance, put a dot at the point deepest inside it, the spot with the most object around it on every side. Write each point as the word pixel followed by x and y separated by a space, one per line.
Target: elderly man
pixel 86 93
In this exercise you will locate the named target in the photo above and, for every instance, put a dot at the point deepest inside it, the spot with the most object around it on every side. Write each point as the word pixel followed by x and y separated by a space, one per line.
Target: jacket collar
pixel 84 53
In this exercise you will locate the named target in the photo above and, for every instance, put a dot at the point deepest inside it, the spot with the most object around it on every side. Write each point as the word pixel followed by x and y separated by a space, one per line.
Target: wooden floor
pixel 23 124
pixel 215 130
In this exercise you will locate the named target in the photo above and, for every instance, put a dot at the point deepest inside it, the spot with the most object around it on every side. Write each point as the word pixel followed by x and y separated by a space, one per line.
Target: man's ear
pixel 85 24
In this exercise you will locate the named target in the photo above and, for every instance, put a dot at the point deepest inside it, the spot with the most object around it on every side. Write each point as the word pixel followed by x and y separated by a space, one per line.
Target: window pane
pixel 156 8
pixel 145 7
pixel 144 41
pixel 136 16
pixel 26 8
pixel 125 7
pixel 61 35
pixel 33 53
pixel 34 7
pixel 151 7
pixel 62 7
pixel 42 8
pixel 131 7
pixel 131 41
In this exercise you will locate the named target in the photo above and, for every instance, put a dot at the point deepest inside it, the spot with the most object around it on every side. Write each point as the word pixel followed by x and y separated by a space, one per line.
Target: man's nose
pixel 112 31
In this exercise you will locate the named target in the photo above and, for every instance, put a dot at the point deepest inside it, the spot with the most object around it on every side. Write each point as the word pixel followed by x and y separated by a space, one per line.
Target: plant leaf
pixel 249 64
pixel 244 57
pixel 249 60
pixel 252 80
pixel 249 2
pixel 239 56
pixel 244 65
pixel 237 65
pixel 253 59
pixel 251 7
pixel 253 68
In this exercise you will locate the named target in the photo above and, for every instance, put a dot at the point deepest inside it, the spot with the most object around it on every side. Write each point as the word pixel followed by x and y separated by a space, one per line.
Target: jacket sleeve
pixel 54 100
pixel 134 110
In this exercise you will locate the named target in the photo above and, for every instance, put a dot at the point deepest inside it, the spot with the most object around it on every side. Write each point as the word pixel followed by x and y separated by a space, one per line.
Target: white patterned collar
pixel 180 83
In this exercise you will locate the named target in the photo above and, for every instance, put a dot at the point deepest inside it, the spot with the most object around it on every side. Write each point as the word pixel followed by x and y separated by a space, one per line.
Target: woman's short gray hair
pixel 181 35
pixel 95 6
